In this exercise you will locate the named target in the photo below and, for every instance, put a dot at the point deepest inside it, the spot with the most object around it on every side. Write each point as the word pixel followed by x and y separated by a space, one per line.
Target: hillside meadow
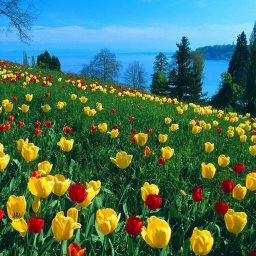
pixel 120 172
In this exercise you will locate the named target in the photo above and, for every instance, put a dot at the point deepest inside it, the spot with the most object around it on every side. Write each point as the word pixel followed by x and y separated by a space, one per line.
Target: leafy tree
pixel 239 61
pixel 46 61
pixel 186 75
pixel 104 66
pixel 159 84
pixel 251 74
pixel 25 59
pixel 135 75
pixel 20 15
pixel 55 63
pixel 161 63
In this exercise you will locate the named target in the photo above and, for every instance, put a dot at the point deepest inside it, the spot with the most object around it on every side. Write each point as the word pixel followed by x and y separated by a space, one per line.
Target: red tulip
pixel 133 225
pixel 35 224
pixel 116 126
pixel 147 151
pixel 37 124
pixel 67 129
pixel 35 174
pixel 131 118
pixel 1 214
pixel 93 128
pixel 197 194
pixel 133 130
pixel 149 131
pixel 239 168
pixel 132 138
pixel 219 130
pixel 48 124
pixel 251 253
pixel 74 249
pixel 77 192
pixel 113 111
pixel 161 160
pixel 253 132
pixel 47 94
pixel 38 132
pixel 7 127
pixel 153 201
pixel 10 118
pixel 221 207
pixel 14 98
pixel 227 186
pixel 21 124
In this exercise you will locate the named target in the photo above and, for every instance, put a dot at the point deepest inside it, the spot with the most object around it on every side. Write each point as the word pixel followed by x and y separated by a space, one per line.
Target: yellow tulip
pixel 235 221
pixel 89 112
pixel 8 107
pixel 95 185
pixel 208 170
pixel 5 102
pixel 20 143
pixel 99 106
pixel 24 108
pixel 107 220
pixel 1 147
pixel 243 138
pixel 46 108
pixel 208 147
pixel 1 109
pixel 61 185
pixel 66 145
pixel 103 127
pixel 230 133
pixel 41 187
pixel 252 150
pixel 29 97
pixel 148 189
pixel 141 138
pixel 44 167
pixel 122 160
pixel 114 133
pixel 157 234
pixel 61 104
pixel 201 241
pixel 207 127
pixel 73 96
pixel 239 192
pixel 250 181
pixel 223 160
pixel 167 152
pixel 29 151
pixel 215 123
pixel 167 120
pixel 21 226
pixel 174 127
pixel 88 200
pixel 162 138
pixel 83 99
pixel 253 139
pixel 63 227
pixel 16 207
pixel 196 129
pixel 4 160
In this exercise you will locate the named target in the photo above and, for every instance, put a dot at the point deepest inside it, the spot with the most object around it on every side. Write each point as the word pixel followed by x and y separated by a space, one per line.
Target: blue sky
pixel 136 25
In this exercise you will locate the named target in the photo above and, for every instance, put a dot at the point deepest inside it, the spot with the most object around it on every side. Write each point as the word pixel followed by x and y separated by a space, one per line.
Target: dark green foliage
pixel 159 84
pixel 161 63
pixel 238 64
pixel 217 52
pixel 44 60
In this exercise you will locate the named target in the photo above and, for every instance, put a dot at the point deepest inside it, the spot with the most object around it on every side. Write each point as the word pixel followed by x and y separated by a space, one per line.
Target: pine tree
pixel 159 84
pixel 239 61
pixel 161 63
pixel 25 59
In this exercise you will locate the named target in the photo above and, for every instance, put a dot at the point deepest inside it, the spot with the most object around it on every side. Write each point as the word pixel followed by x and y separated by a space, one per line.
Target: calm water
pixel 73 61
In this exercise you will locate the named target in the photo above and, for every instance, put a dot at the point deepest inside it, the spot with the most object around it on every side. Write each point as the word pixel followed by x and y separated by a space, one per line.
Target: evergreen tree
pixel 55 63
pixel 239 61
pixel 46 61
pixel 33 61
pixel 251 74
pixel 25 59
pixel 159 84
pixel 161 63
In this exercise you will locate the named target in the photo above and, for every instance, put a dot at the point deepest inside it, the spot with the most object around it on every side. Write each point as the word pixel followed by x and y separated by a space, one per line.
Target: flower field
pixel 92 169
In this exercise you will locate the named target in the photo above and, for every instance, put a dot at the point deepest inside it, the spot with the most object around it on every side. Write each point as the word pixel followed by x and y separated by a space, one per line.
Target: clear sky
pixel 136 25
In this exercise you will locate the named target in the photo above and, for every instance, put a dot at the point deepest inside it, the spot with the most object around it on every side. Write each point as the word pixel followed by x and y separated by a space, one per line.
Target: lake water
pixel 73 61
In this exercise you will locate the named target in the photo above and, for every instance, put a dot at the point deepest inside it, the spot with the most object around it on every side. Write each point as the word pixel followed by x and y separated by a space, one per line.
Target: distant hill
pixel 217 52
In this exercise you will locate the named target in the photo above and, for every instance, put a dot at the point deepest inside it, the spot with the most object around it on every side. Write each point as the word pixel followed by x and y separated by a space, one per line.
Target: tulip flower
pixel 153 201
pixel 20 143
pixel 29 151
pixel 223 160
pixel 63 227
pixel 83 99
pixel 197 194
pixel 148 189
pixel 75 250
pixel 88 200
pixel 141 138
pixel 95 185
pixel 4 160
pixel 89 112
pixel 29 97
pixel 221 208
pixel 67 129
pixel 107 220
pixel 1 214
pixel 24 108
pixel 103 127
pixel 20 225
pixel 167 152
pixel 35 224
pixel 133 225
pixel 122 160
pixel 167 120
pixel 61 104
pixel 157 234
pixel 162 138
pixel 16 207
pixel 1 147
pixel 77 192
pixel 10 118
pixel 196 129
pixel 252 150
pixel 73 96
pixel 46 108
pixel 44 167
pixel 147 151
pixel 208 147
pixel 239 192
pixel 201 241
pixel 41 187
pixel 114 133
pixel 250 181
pixel 239 168
pixel 243 138
pixel 227 186
pixel 61 185
pixel 66 145
pixel 8 107
pixel 174 127
pixel 235 221
pixel 208 170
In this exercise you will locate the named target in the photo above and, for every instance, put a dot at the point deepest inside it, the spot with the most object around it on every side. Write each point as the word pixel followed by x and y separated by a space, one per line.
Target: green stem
pixel 104 245
pixel 130 246
pixel 64 248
